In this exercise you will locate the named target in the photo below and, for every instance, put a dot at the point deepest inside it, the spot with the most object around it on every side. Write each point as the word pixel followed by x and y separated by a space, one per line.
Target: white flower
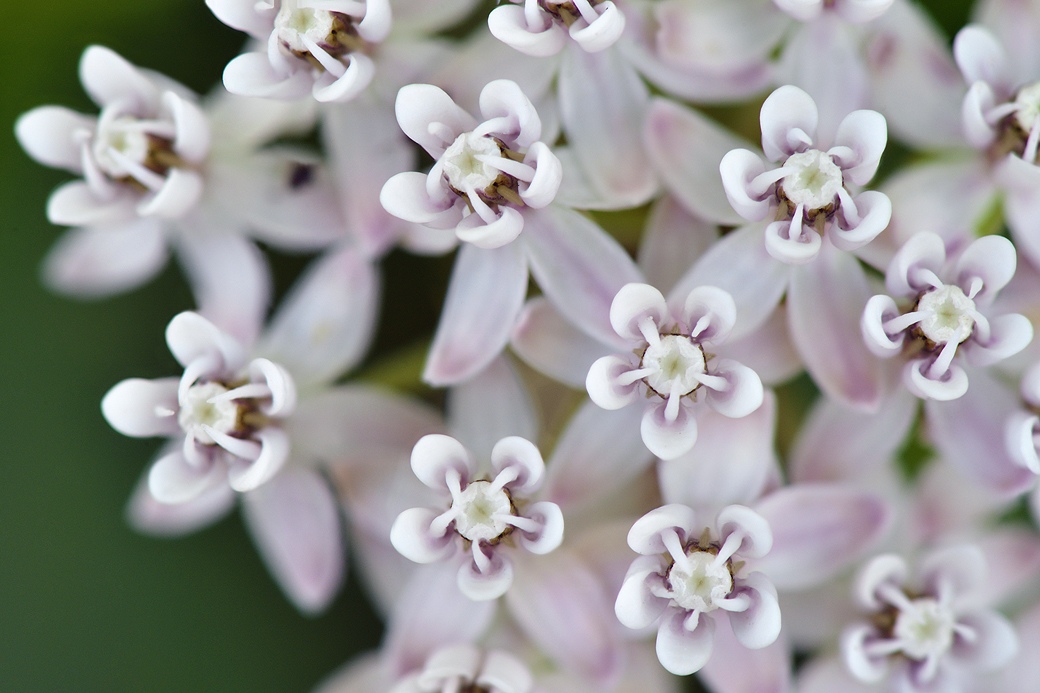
pixel 541 27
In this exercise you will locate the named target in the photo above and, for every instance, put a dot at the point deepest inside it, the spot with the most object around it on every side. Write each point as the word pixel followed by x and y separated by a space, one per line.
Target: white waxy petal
pixel 548 173
pixel 411 536
pixel 951 385
pixel 377 22
pixel 173 480
pixel 646 535
pixel 462 660
pixel 880 309
pixel 854 651
pixel 107 78
pixel 509 25
pixel 668 438
pixel 504 672
pixel 637 606
pixel 991 259
pixel 502 231
pixel 193 136
pixel 977 104
pixel 886 569
pixel 76 204
pixel 865 133
pixel 47 134
pixel 980 57
pixel 421 107
pixel 243 15
pixel 743 393
pixel 436 455
pixel 179 194
pixel 332 89
pixel 246 475
pixel 682 651
pixel 523 457
pixel 788 119
pixel 191 336
pixel 143 408
pixel 757 626
pixel 757 537
pixel 875 211
pixel 607 382
pixel 504 100
pixel 406 196
pixel 251 74
pixel 603 32
pixel 1009 334
pixel 711 311
pixel 800 250
pixel 550 533
pixel 486 586
pixel 632 306
pixel 739 168
pixel 924 251
pixel 148 516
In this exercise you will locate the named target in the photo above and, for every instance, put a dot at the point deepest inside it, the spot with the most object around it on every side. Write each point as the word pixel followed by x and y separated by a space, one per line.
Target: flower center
pixel 198 410
pixel 676 362
pixel 479 509
pixel 462 164
pixel 924 629
pixel 117 141
pixel 702 584
pixel 300 28
pixel 949 315
pixel 1027 101
pixel 814 180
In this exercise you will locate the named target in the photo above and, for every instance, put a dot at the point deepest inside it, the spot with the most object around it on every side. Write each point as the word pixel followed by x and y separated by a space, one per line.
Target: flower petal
pixel 97 262
pixel 682 651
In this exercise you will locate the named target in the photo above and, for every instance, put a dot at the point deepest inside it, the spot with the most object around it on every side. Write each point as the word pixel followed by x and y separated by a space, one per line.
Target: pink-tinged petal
pixel 633 304
pixel 107 77
pixel 274 451
pixel 665 438
pixel 355 423
pixel 251 74
pixel 818 530
pixel 1014 556
pixel 825 301
pixel 978 103
pixel 886 569
pixel 1009 334
pixel 712 304
pixel 995 644
pixel 672 134
pixel 548 173
pixel 768 350
pixel 193 137
pixel 143 408
pixel 740 265
pixel 1021 673
pixel 759 625
pixel 242 15
pixel 98 262
pixel 606 384
pixel 295 523
pixel 358 75
pixel 412 537
pixel 437 455
pixel 325 325
pixel 1020 445
pixel 178 195
pixel 730 463
pixel 490 407
pixel 864 666
pixel 579 267
pixel 484 298
pixel 406 196
pixel 951 385
pixel 739 168
pixel 562 606
pixel 829 674
pixel 923 251
pixel 419 106
pixel 800 250
pixel 429 613
pixel 191 336
pixel 75 204
pixel 486 586
pixel 914 80
pixel 683 651
pixel 603 32
pixel 599 452
pixel 149 516
pixel 788 117
pixel 508 23
pixel 645 536
pixel 1022 204
pixel 860 11
pixel 960 569
pixel 802 10
pixel 503 230
pixel 523 457
pixel 503 99
pixel 969 432
pixel 756 536
pixel 981 58
pixel 550 532
pixel 230 279
pixel 743 393
pixel 636 605
pixel 173 480
pixel 603 104
pixel 553 346
pixel 838 443
pixel 1014 23
pixel 672 242
pixel 734 668
pixel 991 259
pixel 866 134
pixel 48 134
pixel 880 309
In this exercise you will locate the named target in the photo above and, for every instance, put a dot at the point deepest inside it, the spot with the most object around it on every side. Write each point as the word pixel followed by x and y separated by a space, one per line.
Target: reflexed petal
pixel 97 262
pixel 995 645
pixel 325 325
pixel 143 408
pixel 668 439
pixel 924 250
pixel 636 606
pixel 550 535
pixel 634 303
pixel 743 394
pixel 672 133
pixel 1009 335
pixel 756 536
pixel 491 406
pixel 491 235
pixel 865 133
pixel 991 259
pixel 523 456
pixel 295 523
pixel 759 625
pixel 435 455
pixel 420 105
pixel 739 167
pixel 645 535
pixel 859 11
pixel 786 110
pixel 682 651
pixel 242 15
pixel 47 134
pixel 879 309
pixel 734 668
pixel 358 75
pixel 247 475
pixel 768 350
pixel 802 10
pixel 509 25
pixel 503 98
pixel 553 346
pixel 149 516
pixel 484 298
pixel 672 241
pixel 412 538
pixel 818 530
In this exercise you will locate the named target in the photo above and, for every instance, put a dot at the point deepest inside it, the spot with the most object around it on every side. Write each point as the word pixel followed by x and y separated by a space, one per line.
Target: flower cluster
pixel 657 337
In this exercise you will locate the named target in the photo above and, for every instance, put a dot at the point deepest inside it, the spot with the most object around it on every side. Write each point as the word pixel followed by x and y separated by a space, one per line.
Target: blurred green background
pixel 85 603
